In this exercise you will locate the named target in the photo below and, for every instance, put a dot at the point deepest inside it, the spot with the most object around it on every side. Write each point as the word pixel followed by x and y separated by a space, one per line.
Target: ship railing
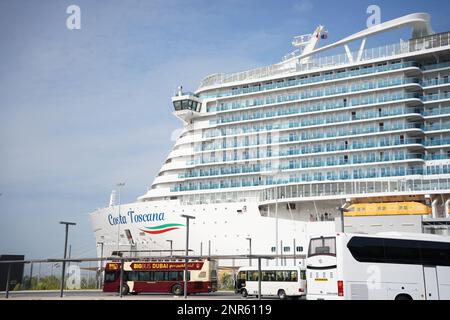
pixel 356 187
pixel 404 47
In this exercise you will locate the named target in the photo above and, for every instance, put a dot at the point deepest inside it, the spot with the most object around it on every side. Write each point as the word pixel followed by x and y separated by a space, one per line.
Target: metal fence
pixel 87 273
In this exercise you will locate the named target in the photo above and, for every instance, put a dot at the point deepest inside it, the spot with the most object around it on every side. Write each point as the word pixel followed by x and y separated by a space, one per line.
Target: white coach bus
pixel 282 281
pixel 383 266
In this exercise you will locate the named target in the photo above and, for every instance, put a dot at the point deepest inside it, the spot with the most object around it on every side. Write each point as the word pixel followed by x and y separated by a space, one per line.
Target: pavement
pixel 99 295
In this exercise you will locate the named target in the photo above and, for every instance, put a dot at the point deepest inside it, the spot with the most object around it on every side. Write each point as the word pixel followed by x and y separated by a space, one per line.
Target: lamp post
pixel 343 209
pixel 186 253
pixel 67 224
pixel 171 246
pixel 119 186
pixel 101 264
pixel 249 249
pixel 276 223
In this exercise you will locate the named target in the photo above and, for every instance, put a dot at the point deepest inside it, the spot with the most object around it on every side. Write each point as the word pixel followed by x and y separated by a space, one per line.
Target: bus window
pixel 159 276
pixel 402 251
pixel 131 276
pixel 435 253
pixel 268 276
pixel 175 276
pixel 144 276
pixel 303 274
pixel 242 275
pixel 240 280
pixel 294 276
pixel 365 249
pixel 322 246
pixel 110 276
pixel 253 275
pixel 283 276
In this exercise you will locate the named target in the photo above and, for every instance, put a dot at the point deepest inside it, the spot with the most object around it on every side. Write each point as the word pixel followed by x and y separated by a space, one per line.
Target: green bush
pixel 226 281
pixel 88 283
pixel 17 287
pixel 49 283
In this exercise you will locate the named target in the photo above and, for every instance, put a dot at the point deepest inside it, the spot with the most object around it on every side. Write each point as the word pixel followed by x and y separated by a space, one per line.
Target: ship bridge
pixel 186 105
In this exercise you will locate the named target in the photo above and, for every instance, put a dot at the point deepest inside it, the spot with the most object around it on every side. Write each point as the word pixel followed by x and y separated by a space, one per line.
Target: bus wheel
pixel 281 294
pixel 125 289
pixel 177 290
pixel 244 293
pixel 403 297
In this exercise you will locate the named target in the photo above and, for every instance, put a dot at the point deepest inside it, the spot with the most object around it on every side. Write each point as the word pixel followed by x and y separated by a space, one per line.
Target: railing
pixel 313 133
pixel 435 82
pixel 311 79
pixel 427 184
pixel 437 111
pixel 437 126
pixel 342 117
pixel 304 164
pixel 398 172
pixel 414 45
pixel 301 97
pixel 436 66
pixel 436 157
pixel 437 96
pixel 436 142
pixel 317 150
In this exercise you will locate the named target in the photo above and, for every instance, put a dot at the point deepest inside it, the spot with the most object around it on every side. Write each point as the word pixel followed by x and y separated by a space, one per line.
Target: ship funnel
pixel 113 198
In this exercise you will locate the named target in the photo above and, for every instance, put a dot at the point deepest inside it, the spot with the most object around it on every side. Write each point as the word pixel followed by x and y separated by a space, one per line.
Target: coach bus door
pixel 431 283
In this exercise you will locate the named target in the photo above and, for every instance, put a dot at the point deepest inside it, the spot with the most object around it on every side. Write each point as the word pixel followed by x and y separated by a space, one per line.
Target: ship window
pixel 177 105
pixel 299 249
pixel 273 249
pixel 185 104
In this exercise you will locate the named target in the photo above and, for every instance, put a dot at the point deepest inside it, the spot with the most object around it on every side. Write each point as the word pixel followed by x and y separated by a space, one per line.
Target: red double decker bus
pixel 161 277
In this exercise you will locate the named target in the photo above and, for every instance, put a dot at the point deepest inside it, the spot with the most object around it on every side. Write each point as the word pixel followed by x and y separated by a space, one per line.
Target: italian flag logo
pixel 163 228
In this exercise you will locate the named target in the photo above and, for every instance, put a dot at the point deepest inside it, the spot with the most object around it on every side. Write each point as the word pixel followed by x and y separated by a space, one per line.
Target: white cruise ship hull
pixel 218 229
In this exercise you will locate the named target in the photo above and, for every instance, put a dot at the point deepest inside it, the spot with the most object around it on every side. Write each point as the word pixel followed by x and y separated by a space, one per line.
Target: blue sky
pixel 81 110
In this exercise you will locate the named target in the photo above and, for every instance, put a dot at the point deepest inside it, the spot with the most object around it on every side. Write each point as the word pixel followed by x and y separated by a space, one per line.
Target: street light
pixel 171 246
pixel 67 224
pixel 186 253
pixel 342 210
pixel 119 185
pixel 101 264
pixel 250 249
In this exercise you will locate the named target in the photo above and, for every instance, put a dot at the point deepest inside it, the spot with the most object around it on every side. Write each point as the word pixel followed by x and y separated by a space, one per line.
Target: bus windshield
pixel 322 246
pixel 110 276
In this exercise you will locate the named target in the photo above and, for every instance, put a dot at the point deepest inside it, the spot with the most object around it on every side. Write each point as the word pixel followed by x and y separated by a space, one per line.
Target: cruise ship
pixel 357 139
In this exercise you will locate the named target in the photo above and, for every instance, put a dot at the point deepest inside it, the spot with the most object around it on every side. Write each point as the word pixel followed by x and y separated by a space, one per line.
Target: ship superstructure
pixel 273 154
